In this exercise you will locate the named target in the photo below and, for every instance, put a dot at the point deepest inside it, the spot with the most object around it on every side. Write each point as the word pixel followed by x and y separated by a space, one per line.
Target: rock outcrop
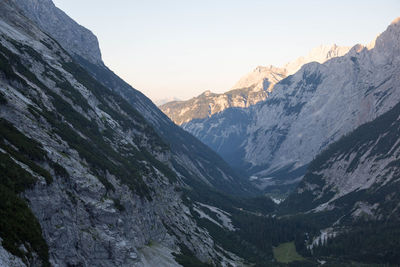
pixel 78 41
pixel 85 179
pixel 251 89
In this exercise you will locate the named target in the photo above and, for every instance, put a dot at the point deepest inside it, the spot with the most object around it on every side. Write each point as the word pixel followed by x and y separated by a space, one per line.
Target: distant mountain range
pixel 274 140
pixel 252 88
pixel 162 101
pixel 92 173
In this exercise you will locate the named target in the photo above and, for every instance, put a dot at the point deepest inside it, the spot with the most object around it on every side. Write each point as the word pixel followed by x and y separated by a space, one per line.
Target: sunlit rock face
pixel 319 54
pixel 275 139
pixel 55 22
pixel 252 88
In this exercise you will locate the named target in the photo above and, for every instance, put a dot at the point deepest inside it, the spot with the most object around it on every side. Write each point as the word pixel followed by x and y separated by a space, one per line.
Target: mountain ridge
pixel 197 160
pixel 92 178
pixel 351 191
pixel 81 41
pixel 252 88
pixel 279 136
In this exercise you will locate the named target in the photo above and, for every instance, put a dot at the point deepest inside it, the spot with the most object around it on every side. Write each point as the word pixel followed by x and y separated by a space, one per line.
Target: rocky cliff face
pixel 249 90
pixel 187 152
pixel 357 176
pixel 79 41
pixel 319 54
pixel 208 104
pixel 306 112
pixel 252 88
pixel 351 192
pixel 85 179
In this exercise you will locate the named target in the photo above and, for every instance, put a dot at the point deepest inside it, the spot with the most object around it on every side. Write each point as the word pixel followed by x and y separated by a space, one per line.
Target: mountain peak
pixel 318 54
pixel 207 93
pixel 395 21
pixel 74 38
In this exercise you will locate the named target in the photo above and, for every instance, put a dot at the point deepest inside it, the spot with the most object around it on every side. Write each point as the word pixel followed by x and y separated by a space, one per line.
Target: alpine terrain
pixel 85 179
pixel 92 173
pixel 252 88
pixel 273 141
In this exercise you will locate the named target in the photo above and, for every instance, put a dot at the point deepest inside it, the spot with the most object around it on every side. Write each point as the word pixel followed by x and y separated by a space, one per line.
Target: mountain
pixel 74 38
pixel 358 175
pixel 93 174
pixel 187 152
pixel 318 54
pixel 252 88
pixel 162 101
pixel 274 140
pixel 354 186
pixel 86 180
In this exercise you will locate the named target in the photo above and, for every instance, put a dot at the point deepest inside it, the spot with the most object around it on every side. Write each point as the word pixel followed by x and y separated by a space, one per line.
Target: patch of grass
pixel 69 91
pixel 286 253
pixel 118 205
pixel 28 151
pixel 18 226
pixel 59 170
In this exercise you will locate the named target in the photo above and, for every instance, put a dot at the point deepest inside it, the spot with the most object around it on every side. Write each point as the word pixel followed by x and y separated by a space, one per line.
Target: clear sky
pixel 180 48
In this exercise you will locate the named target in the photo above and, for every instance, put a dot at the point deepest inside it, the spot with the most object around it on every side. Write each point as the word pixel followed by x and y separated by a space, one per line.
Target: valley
pixel 294 166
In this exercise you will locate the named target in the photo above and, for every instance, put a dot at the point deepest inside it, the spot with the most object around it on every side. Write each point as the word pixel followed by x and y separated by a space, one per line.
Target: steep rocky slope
pixel 351 191
pixel 357 176
pixel 85 180
pixel 79 41
pixel 188 153
pixel 319 54
pixel 252 88
pixel 307 111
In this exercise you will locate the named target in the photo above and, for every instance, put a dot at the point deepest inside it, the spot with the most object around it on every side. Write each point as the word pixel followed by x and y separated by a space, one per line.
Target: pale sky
pixel 180 48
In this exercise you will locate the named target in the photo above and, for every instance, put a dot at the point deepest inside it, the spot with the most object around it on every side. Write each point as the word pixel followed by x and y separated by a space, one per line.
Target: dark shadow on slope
pixel 180 141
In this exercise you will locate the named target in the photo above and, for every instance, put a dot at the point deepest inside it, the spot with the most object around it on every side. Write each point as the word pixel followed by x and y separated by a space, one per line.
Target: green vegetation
pixel 69 91
pixel 133 119
pixel 380 136
pixel 187 259
pixel 359 141
pixel 3 100
pixel 14 177
pixel 207 161
pixel 118 205
pixel 59 170
pixel 257 232
pixel 18 226
pixel 102 158
pixel 286 253
pixel 366 242
pixel 6 67
pixel 28 151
